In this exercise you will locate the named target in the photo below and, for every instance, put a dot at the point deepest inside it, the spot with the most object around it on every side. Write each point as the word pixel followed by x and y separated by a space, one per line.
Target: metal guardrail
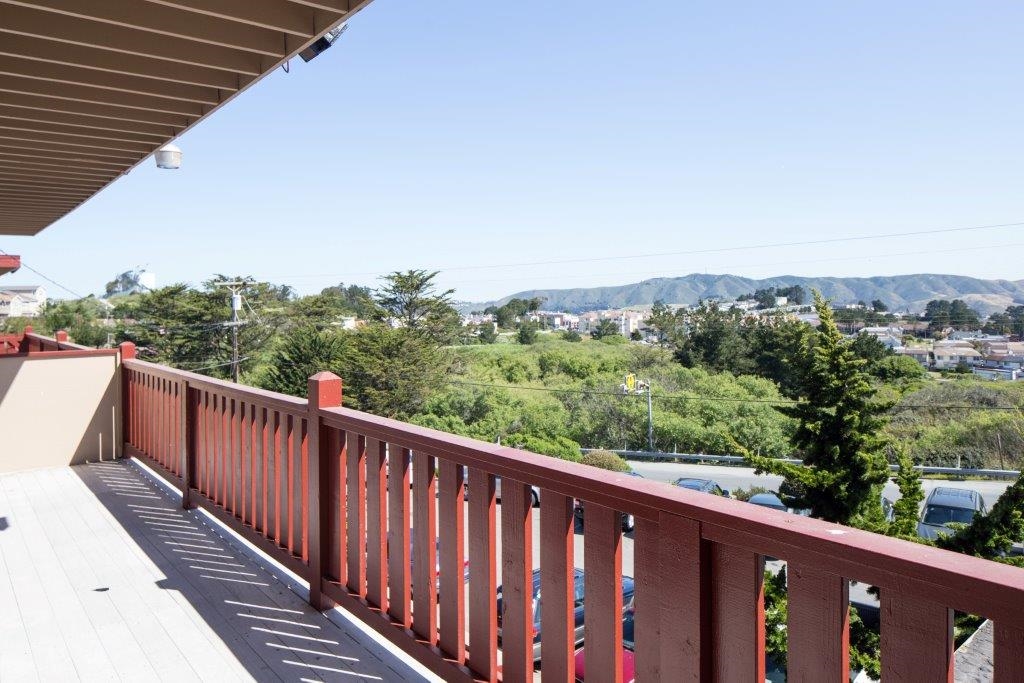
pixel 738 460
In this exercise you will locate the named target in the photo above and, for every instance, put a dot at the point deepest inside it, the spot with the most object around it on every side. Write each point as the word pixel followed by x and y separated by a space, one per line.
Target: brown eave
pixel 90 89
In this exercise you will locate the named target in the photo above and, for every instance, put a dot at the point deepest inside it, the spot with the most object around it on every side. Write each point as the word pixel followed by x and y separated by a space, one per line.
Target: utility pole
pixel 631 385
pixel 235 286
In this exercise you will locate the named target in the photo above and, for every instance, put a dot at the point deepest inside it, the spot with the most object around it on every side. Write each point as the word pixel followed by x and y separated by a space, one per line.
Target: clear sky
pixel 467 136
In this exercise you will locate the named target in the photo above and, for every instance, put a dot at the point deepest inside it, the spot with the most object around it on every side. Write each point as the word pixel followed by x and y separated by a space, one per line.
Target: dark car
pixel 945 506
pixel 768 500
pixel 773 673
pixel 628 522
pixel 702 485
pixel 627 604
pixel 628 645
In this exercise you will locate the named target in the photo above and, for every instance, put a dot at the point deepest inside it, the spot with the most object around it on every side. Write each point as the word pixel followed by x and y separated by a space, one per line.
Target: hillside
pixel 899 292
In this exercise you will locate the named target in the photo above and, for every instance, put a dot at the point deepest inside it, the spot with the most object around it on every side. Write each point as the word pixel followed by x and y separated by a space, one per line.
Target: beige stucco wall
pixel 58 411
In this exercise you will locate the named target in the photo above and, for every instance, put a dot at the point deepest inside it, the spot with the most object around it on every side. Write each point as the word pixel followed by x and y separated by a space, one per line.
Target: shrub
pixel 606 460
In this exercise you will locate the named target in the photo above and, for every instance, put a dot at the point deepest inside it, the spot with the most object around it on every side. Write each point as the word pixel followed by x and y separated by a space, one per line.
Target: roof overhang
pixel 9 263
pixel 90 89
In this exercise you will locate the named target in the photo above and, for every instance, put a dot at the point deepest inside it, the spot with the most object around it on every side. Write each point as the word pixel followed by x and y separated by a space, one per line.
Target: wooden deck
pixel 104 577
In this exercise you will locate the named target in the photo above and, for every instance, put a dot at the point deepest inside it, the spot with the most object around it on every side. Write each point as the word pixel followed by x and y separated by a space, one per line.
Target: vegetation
pixel 606 460
pixel 839 433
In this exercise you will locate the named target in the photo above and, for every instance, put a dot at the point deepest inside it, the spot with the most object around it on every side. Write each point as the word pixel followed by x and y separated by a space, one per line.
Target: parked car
pixel 628 522
pixel 628 645
pixel 945 506
pixel 627 604
pixel 702 485
pixel 768 500
pixel 772 672
pixel 534 490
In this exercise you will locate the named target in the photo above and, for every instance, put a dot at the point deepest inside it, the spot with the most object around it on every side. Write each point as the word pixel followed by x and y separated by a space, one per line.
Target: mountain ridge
pixel 908 293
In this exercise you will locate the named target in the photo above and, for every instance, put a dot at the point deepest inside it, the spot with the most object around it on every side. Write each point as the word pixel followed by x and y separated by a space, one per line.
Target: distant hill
pixel 899 292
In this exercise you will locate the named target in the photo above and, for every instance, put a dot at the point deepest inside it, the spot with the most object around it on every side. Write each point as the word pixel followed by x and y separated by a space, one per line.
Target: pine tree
pixel 839 433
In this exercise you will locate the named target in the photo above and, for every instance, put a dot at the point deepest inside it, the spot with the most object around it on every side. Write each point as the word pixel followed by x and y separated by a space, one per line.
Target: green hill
pixel 899 292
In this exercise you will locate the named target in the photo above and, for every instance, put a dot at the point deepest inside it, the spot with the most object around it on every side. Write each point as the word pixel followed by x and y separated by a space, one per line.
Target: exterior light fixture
pixel 322 43
pixel 168 156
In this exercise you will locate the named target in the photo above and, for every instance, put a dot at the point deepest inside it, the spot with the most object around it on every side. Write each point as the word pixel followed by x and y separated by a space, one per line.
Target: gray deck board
pixel 103 577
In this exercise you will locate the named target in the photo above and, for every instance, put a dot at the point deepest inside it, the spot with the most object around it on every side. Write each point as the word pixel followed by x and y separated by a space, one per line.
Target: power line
pixel 48 279
pixel 696 252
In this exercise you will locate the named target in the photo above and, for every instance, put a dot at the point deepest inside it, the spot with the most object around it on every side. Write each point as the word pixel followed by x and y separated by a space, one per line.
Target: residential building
pixel 187 527
pixel 22 301
pixel 948 355
pixel 921 354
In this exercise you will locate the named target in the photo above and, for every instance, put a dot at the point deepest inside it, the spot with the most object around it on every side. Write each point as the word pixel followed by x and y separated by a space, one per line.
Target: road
pixel 733 478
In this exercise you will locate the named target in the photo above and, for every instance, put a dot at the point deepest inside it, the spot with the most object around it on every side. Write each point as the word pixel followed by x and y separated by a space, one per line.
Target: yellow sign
pixel 630 382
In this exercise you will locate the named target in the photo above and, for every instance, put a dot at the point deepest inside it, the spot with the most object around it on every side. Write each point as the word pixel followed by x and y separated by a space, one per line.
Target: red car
pixel 627 652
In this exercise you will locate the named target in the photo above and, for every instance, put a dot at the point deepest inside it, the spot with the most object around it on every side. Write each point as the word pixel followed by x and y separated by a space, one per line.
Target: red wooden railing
pixel 30 343
pixel 321 488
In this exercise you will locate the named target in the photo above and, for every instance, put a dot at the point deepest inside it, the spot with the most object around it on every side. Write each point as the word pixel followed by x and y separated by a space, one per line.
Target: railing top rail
pixel 969 583
pixel 61 345
pixel 269 399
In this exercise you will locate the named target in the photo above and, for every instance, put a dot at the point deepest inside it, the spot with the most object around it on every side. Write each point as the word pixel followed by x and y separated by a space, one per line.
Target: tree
pixel 301 353
pixel 487 334
pixel 392 372
pixel 572 336
pixel 125 283
pixel 714 340
pixel 527 333
pixel 878 306
pixel 411 298
pixel 904 523
pixel 635 335
pixel 605 328
pixel 666 324
pixel 839 433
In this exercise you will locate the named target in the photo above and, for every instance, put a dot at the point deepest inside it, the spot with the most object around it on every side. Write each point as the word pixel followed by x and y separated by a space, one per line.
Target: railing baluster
pixel 245 447
pixel 399 579
pixel 273 476
pixel 376 525
pixel 483 635
pixel 818 626
pixel 356 513
pixel 602 589
pixel 1008 651
pixel 917 639
pixel 262 464
pixel 452 632
pixel 557 586
pixel 235 449
pixel 424 574
pixel 304 494
pixel 335 500
pixel 517 580
pixel 282 508
pixel 295 511
pixel 256 468
pixel 737 613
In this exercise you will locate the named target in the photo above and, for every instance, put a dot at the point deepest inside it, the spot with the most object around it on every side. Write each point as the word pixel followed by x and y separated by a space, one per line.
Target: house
pixel 920 354
pixel 22 301
pixel 193 528
pixel 948 355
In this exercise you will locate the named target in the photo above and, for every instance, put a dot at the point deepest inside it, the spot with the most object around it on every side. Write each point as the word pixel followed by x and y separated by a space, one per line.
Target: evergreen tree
pixel 993 534
pixel 904 523
pixel 301 353
pixel 839 433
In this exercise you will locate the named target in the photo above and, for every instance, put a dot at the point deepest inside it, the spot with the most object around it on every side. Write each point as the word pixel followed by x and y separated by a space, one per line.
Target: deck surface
pixel 103 577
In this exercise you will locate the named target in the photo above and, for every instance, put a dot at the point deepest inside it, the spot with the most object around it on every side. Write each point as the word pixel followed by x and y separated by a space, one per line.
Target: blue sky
pixel 469 136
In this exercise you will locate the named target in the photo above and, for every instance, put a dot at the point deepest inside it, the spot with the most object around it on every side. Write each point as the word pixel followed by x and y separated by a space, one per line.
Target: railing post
pixel 186 444
pixel 26 344
pixel 127 353
pixel 324 392
pixel 61 337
